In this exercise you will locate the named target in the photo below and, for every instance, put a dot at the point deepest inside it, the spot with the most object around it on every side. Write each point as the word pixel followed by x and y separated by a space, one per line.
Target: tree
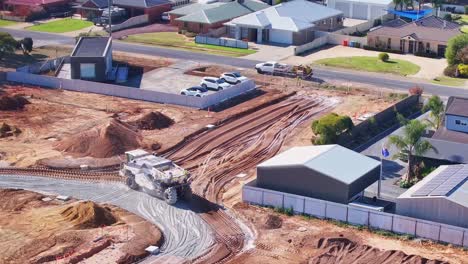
pixel 399 3
pixel 436 4
pixel 411 143
pixel 7 44
pixel 454 46
pixel 329 127
pixel 436 106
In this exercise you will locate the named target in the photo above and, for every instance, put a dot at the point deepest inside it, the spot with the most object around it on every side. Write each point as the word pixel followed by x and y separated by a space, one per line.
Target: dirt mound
pixel 15 102
pixel 273 222
pixel 87 214
pixel 17 199
pixel 343 250
pixel 111 139
pixel 153 120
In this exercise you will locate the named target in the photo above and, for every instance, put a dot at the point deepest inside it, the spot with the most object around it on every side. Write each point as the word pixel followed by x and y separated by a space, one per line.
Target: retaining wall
pixel 131 22
pixel 358 216
pixel 131 93
pixel 233 43
pixel 324 38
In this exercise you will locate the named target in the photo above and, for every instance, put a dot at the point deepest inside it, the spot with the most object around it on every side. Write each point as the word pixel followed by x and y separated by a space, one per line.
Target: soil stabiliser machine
pixel 157 176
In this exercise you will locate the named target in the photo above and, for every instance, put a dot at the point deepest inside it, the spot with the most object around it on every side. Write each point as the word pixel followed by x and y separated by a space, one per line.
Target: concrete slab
pixel 270 52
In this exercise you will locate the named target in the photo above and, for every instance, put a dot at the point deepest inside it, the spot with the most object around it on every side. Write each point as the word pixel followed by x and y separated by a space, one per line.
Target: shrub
pixel 190 34
pixel 463 70
pixel 448 17
pixel 406 184
pixel 416 90
pixel 429 54
pixel 329 127
pixel 384 57
pixel 454 46
pixel 466 10
pixel 451 71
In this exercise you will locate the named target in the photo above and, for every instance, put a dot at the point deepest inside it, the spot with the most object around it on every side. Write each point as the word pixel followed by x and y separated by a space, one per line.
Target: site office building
pixel 91 59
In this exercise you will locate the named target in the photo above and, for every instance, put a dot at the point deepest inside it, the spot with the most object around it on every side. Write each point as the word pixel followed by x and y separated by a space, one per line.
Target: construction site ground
pixel 53 231
pixel 247 131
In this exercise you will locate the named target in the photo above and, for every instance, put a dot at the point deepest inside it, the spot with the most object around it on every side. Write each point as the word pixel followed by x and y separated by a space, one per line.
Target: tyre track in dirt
pixel 216 156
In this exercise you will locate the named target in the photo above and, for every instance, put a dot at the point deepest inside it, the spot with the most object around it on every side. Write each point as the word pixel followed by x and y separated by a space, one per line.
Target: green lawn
pixel 178 41
pixel 464 29
pixel 372 64
pixel 449 81
pixel 4 23
pixel 61 26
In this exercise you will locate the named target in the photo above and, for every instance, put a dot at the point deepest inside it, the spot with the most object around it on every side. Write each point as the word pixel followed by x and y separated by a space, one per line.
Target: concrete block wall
pixel 358 216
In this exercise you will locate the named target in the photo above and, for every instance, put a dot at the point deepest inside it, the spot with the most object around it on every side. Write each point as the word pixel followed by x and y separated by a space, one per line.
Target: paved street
pixel 379 80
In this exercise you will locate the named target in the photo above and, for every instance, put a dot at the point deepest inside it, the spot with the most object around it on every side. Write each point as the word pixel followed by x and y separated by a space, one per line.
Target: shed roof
pixel 448 182
pixel 379 2
pixel 91 47
pixel 335 161
pixel 193 8
pixel 224 12
pixel 140 3
pixel 428 29
pixel 291 16
pixel 457 106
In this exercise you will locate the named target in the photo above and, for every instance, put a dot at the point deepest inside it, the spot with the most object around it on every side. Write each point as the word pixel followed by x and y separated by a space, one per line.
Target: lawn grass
pixel 61 26
pixel 4 23
pixel 178 41
pixel 449 81
pixel 372 64
pixel 464 29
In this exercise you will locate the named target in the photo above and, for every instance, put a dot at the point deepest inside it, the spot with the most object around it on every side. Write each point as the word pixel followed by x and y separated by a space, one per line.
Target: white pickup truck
pixel 280 69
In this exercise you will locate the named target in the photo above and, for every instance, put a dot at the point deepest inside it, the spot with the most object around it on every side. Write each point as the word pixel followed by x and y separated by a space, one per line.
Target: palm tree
pixel 436 4
pixel 399 3
pixel 436 106
pixel 411 144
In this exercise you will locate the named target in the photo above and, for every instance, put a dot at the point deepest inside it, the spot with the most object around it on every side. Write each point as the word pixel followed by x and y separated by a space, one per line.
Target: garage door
pixel 343 7
pixel 281 36
pixel 359 11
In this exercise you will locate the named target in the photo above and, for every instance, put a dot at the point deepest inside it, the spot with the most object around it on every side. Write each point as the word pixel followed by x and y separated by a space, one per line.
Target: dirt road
pixel 215 158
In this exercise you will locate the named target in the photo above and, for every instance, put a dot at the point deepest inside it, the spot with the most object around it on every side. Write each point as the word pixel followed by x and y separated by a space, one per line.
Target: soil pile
pixel 15 102
pixel 17 199
pixel 343 250
pixel 153 120
pixel 273 222
pixel 111 139
pixel 84 215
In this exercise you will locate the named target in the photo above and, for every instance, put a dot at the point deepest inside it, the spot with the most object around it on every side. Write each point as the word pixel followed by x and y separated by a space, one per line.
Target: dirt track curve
pixel 216 156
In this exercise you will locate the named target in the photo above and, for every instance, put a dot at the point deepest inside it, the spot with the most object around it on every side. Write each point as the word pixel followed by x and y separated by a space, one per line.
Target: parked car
pixel 213 83
pixel 233 77
pixel 194 91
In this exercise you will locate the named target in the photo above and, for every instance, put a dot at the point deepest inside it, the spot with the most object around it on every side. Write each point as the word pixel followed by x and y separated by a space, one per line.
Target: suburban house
pixel 288 23
pixel 91 59
pixel 441 196
pixel 450 141
pixel 427 35
pixel 39 8
pixel 362 9
pixel 201 18
pixel 91 8
pixel 152 8
pixel 312 171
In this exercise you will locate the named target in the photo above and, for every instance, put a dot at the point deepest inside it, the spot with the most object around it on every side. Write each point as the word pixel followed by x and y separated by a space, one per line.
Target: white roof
pixel 379 2
pixel 291 16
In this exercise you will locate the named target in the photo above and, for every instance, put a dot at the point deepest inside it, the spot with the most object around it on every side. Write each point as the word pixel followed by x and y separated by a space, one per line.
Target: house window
pixel 428 47
pixel 389 43
pixel 402 45
pixel 88 70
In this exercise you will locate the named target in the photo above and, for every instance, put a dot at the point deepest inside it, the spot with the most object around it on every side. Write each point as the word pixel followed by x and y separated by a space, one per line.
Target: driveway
pixel 430 68
pixel 270 52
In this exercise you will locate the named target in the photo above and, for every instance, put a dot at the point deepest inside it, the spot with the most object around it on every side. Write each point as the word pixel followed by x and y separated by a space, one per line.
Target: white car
pixel 213 83
pixel 194 91
pixel 233 77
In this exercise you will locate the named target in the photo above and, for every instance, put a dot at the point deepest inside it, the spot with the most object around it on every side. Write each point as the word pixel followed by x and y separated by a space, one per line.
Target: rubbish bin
pixel 345 43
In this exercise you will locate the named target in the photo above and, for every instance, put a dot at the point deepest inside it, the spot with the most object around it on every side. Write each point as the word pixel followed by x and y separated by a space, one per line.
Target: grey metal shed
pixel 328 172
pixel 91 59
pixel 442 197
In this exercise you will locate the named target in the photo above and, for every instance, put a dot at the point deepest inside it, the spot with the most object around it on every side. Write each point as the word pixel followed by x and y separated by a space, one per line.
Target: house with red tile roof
pixel 27 8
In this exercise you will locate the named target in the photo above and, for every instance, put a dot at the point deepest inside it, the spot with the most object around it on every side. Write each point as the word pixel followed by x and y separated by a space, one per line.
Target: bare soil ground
pixel 37 231
pixel 302 240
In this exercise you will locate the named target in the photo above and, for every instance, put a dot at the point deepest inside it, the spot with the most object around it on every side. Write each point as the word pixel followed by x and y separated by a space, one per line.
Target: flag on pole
pixel 385 152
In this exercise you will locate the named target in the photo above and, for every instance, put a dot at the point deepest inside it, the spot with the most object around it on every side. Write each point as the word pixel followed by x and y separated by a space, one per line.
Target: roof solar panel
pixel 439 182
pixel 450 184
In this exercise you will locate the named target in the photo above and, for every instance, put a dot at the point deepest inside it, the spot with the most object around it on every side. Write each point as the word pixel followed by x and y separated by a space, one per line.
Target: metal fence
pixel 358 216
pixel 233 43
pixel 132 93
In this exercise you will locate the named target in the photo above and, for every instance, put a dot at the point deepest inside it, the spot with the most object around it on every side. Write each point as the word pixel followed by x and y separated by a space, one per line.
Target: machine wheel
pixel 132 184
pixel 170 195
pixel 259 71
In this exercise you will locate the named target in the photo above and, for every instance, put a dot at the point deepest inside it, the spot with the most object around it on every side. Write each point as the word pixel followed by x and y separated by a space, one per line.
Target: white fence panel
pixel 451 234
pixel 337 211
pixel 315 207
pixel 465 238
pixel 381 220
pixel 358 216
pixel 404 225
pixel 295 202
pixel 272 198
pixel 251 195
pixel 428 230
